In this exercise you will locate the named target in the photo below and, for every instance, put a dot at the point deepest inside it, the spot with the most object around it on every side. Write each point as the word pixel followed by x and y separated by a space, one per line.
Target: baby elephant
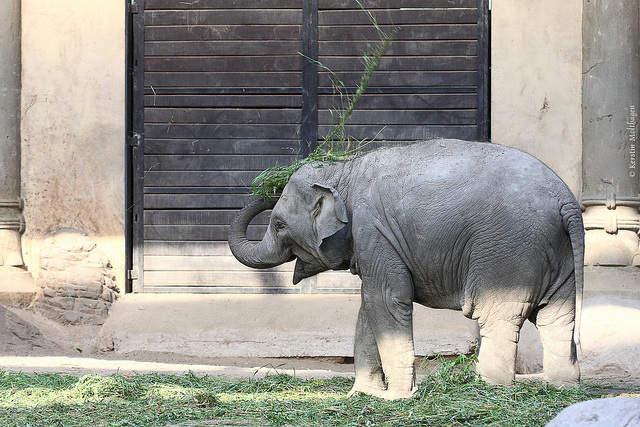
pixel 468 226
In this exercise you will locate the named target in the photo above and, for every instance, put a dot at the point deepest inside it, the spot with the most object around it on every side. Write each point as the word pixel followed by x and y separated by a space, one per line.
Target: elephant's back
pixel 446 167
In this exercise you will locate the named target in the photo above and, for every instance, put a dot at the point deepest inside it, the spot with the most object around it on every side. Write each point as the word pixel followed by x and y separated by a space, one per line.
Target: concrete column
pixel 13 277
pixel 611 106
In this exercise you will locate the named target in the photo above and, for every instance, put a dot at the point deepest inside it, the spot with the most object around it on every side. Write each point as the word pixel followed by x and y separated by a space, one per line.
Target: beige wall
pixel 536 82
pixel 73 130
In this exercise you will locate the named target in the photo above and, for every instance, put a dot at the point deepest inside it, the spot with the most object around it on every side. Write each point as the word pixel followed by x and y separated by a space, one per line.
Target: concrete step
pixel 263 326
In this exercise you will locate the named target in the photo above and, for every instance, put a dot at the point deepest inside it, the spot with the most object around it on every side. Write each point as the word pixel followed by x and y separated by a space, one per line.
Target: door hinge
pixel 134 7
pixel 132 274
pixel 134 140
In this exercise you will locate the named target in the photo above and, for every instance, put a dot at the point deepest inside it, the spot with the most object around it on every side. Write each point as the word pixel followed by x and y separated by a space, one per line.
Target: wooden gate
pixel 221 90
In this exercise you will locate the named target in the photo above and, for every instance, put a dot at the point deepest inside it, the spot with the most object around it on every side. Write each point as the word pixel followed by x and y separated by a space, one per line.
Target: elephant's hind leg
pixel 498 346
pixel 369 374
pixel 556 321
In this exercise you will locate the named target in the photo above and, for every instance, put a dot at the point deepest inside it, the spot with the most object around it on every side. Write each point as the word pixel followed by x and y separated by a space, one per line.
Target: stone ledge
pixel 17 287
pixel 620 281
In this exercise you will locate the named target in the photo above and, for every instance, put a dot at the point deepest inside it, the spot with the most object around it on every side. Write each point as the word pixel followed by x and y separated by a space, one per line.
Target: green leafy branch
pixel 337 145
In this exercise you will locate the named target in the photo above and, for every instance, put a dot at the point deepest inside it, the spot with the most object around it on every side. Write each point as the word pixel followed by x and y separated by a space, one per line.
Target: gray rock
pixel 18 335
pixel 609 412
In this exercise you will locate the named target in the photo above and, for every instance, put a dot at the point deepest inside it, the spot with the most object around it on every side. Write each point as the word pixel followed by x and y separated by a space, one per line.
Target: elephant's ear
pixel 330 212
pixel 331 226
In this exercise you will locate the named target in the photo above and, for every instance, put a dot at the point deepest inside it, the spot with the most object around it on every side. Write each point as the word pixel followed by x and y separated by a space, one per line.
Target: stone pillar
pixel 13 276
pixel 611 106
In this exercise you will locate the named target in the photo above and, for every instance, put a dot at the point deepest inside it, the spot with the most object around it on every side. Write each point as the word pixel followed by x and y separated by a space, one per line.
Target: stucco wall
pixel 536 82
pixel 73 130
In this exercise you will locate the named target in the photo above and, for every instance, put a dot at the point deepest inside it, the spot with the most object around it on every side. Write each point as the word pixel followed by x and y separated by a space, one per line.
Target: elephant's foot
pixel 366 390
pixel 566 380
pixel 370 386
pixel 381 393
pixel 559 368
pixel 398 394
pixel 496 361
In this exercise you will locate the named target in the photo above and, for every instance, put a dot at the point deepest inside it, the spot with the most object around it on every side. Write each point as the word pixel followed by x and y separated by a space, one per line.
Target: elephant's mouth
pixel 292 257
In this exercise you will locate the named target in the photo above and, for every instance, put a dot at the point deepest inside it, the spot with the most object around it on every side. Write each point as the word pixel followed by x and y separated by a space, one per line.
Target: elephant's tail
pixel 572 220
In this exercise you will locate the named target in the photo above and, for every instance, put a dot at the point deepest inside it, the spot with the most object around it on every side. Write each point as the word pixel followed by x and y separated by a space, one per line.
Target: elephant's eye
pixel 279 225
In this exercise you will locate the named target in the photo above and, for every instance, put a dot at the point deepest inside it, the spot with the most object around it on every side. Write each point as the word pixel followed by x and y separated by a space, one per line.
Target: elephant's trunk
pixel 264 254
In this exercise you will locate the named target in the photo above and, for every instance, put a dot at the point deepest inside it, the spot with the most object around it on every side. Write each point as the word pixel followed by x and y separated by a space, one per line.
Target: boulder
pixel 612 411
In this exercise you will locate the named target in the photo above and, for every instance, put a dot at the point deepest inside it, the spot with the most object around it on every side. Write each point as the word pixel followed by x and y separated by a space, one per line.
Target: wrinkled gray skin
pixel 476 227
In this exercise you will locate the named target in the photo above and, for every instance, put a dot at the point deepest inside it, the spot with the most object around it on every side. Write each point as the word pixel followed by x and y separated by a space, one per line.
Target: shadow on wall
pixel 610 339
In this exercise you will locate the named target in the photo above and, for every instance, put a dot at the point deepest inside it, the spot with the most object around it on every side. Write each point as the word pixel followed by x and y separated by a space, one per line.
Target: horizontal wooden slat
pixel 280 79
pixel 400 78
pixel 199 179
pixel 406 117
pixel 222 115
pixel 222 4
pixel 223 101
pixel 403 63
pixel 405 132
pixel 173 116
pixel 197 201
pixel 197 190
pixel 204 263
pixel 221 146
pixel 204 163
pixel 220 63
pixel 163 131
pixel 399 16
pixel 323 4
pixel 402 33
pixel 328 48
pixel 371 100
pixel 402 101
pixel 201 282
pixel 413 48
pixel 255 278
pixel 218 289
pixel 202 232
pixel 223 32
pixel 224 17
pixel 287 79
pixel 385 4
pixel 225 47
pixel 198 217
pixel 331 291
pixel 187 248
pixel 293 32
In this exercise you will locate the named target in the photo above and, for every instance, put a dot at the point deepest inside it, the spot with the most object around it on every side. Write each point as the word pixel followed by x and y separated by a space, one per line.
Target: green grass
pixel 450 396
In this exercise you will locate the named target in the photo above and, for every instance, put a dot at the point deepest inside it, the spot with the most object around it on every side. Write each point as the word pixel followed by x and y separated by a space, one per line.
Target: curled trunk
pixel 264 254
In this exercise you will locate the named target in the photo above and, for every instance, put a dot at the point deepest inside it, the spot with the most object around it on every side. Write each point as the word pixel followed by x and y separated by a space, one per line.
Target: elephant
pixel 471 226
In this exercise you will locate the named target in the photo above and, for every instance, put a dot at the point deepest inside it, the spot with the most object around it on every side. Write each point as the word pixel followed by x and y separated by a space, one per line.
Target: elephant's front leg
pixel 388 304
pixel 369 374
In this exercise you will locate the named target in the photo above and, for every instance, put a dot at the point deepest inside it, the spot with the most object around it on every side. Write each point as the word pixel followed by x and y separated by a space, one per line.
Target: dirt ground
pixel 30 342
